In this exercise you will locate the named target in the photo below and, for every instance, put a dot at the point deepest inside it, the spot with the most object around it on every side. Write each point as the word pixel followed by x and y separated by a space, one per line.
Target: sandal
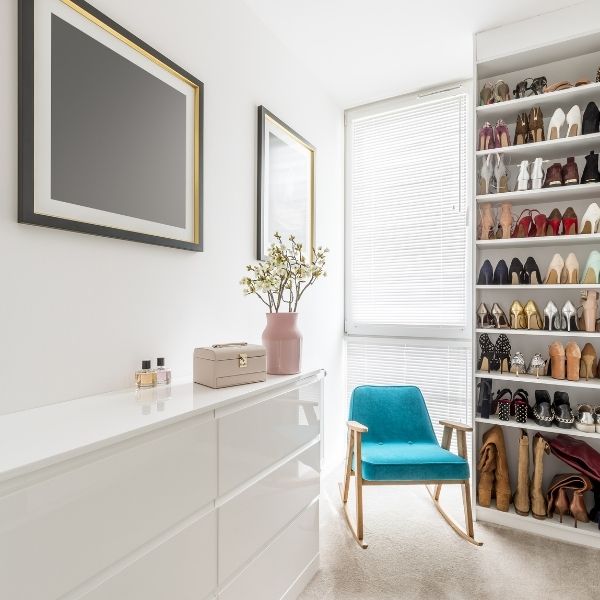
pixel 501 91
pixel 486 95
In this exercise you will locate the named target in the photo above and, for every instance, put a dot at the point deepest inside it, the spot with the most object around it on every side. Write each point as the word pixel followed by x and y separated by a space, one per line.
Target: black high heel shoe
pixel 486 274
pixel 484 399
pixel 531 272
pixel 487 359
pixel 590 171
pixel 501 273
pixel 515 273
pixel 502 354
pixel 591 119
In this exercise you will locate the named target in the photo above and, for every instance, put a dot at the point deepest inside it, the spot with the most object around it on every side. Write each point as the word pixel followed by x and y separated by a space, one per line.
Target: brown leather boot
pixel 570 172
pixel 521 497
pixel 495 437
pixel 554 175
pixel 487 471
pixel 538 498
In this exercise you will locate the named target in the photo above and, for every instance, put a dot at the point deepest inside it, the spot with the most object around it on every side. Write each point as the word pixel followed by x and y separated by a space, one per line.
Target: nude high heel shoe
pixel 571 270
pixel 555 270
pixel 486 222
pixel 592 268
pixel 590 309
pixel 556 122
pixel 485 175
pixel 591 219
pixel 573 354
pixel 574 121
pixel 556 352
pixel 588 362
pixel 505 221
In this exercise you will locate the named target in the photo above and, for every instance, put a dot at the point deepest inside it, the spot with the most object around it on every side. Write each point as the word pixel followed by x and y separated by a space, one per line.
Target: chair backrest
pixel 392 414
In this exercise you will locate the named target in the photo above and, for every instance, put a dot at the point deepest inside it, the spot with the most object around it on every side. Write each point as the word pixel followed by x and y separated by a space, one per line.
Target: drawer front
pixel 249 520
pixel 253 438
pixel 184 567
pixel 270 574
pixel 67 528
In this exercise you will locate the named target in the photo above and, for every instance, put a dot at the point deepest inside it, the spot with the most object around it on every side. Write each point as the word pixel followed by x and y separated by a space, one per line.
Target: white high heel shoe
pixel 573 121
pixel 570 273
pixel 501 174
pixel 487 170
pixel 556 122
pixel 591 219
pixel 537 174
pixel 523 179
pixel 555 270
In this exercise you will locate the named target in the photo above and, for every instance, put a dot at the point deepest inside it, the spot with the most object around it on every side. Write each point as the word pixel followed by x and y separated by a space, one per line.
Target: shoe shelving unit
pixel 541 49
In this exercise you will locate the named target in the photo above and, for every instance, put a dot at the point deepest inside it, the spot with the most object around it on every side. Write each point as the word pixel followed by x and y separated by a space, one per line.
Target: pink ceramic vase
pixel 283 342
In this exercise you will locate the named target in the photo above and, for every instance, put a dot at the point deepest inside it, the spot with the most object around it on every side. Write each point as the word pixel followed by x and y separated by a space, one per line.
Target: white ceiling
pixel 366 50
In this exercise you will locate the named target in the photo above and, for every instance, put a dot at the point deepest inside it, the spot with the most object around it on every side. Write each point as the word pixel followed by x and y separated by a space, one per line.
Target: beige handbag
pixel 223 365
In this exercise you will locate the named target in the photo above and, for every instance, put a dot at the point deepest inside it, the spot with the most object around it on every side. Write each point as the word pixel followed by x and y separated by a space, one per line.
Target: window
pixel 408 249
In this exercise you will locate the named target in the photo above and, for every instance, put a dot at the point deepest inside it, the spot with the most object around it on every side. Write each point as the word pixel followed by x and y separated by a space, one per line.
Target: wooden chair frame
pixel 355 431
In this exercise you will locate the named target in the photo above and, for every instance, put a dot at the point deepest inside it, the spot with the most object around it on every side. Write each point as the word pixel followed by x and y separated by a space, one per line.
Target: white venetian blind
pixel 407 218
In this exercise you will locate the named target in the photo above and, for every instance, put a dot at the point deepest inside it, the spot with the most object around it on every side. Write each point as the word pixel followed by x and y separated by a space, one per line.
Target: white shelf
pixel 560 193
pixel 558 149
pixel 585 533
pixel 592 384
pixel 531 426
pixel 548 102
pixel 541 287
pixel 536 332
pixel 552 240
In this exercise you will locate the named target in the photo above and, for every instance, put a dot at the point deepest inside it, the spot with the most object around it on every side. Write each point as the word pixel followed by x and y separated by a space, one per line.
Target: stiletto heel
pixel 501 273
pixel 569 221
pixel 517 364
pixel 573 354
pixel 516 273
pixel 531 272
pixel 517 315
pixel 536 124
pixel 485 176
pixel 574 121
pixel 486 222
pixel 550 313
pixel 502 353
pixel 487 360
pixel 554 221
pixel 505 221
pixel 569 314
pixel 486 273
pixel 502 139
pixel 556 352
pixel 501 174
pixel 588 362
pixel 592 268
pixel 536 365
pixel 521 130
pixel 591 218
pixel 556 122
pixel 534 320
pixel 500 317
pixel 555 269
pixel 571 270
pixel 484 317
pixel 486 137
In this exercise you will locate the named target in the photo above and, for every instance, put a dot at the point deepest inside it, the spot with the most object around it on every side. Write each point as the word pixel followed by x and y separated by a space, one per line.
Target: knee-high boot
pixel 487 473
pixel 521 497
pixel 495 437
pixel 538 498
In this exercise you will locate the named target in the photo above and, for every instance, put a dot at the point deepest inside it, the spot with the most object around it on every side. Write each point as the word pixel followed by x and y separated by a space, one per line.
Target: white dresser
pixel 165 494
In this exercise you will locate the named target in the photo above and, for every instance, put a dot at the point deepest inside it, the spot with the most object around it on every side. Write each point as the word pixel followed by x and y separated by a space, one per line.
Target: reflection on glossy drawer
pixel 248 521
pixel 58 533
pixel 270 575
pixel 255 437
pixel 184 567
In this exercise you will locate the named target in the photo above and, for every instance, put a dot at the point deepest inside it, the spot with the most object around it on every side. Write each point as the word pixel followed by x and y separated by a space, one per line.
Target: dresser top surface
pixel 36 438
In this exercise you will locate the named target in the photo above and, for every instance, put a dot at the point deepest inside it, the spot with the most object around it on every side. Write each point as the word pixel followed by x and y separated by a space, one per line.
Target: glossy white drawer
pixel 61 531
pixel 249 520
pixel 272 572
pixel 184 567
pixel 253 438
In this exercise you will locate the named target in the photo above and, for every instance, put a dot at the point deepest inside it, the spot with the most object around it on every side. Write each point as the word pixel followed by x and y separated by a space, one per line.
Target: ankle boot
pixel 521 497
pixel 554 175
pixel 591 119
pixel 501 485
pixel 570 173
pixel 590 171
pixel 538 498
pixel 487 470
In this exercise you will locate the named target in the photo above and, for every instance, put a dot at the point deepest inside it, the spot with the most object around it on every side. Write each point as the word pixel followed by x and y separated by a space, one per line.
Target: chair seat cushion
pixel 408 461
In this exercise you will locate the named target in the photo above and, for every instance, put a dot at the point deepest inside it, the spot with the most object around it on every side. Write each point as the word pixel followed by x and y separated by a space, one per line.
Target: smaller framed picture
pixel 286 184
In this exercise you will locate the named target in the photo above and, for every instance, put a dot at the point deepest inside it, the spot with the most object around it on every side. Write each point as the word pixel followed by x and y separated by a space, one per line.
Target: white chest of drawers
pixel 174 493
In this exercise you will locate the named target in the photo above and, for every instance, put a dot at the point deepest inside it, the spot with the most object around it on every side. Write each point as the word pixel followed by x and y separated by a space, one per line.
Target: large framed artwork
pixel 286 183
pixel 110 130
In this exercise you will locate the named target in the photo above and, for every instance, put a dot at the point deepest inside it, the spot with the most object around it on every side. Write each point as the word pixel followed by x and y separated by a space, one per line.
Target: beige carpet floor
pixel 414 554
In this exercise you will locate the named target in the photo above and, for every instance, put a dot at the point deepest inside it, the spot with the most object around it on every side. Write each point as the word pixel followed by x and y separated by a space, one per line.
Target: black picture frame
pixel 26 123
pixel 263 115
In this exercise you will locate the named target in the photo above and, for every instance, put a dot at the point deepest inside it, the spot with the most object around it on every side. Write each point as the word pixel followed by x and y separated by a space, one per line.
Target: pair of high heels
pixel 494 92
pixel 567 271
pixel 529 128
pixel 571 362
pixel 496 318
pixel 563 320
pixel 502 275
pixel 496 136
pixel 493 177
pixel 533 223
pixel 572 118
pixel 537 365
pixel 494 356
pixel 525 317
pixel 487 229
pixel 512 404
pixel 567 174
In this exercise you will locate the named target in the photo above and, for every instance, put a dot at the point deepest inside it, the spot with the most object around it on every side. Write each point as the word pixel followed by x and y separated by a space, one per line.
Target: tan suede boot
pixel 495 437
pixel 521 497
pixel 538 498
pixel 487 471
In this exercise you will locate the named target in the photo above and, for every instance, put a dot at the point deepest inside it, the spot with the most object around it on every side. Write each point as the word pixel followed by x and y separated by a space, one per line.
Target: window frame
pixel 352 329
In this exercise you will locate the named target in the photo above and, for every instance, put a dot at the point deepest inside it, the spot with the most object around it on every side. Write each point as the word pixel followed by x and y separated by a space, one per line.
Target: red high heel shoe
pixel 525 226
pixel 540 222
pixel 554 222
pixel 569 222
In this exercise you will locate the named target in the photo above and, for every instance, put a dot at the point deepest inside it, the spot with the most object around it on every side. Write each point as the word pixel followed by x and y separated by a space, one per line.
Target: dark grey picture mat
pixel 118 132
pixel 26 207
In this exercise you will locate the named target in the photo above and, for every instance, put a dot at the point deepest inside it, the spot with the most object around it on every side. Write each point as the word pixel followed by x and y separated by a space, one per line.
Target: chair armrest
pixel 457 426
pixel 356 426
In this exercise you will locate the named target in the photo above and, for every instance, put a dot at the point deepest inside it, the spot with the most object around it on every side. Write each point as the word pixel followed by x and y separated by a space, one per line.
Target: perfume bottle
pixel 163 374
pixel 146 376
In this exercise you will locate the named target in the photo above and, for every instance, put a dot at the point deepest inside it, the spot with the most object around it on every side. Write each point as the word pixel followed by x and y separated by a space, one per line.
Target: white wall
pixel 78 313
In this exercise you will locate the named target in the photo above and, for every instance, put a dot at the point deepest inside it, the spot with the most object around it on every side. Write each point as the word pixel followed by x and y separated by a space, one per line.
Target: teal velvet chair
pixel 391 442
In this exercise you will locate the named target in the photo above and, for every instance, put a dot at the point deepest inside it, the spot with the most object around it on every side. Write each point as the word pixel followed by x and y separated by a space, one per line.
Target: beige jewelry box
pixel 223 365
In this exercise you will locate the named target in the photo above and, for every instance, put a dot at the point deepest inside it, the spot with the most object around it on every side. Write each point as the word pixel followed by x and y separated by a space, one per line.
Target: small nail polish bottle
pixel 146 376
pixel 163 374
